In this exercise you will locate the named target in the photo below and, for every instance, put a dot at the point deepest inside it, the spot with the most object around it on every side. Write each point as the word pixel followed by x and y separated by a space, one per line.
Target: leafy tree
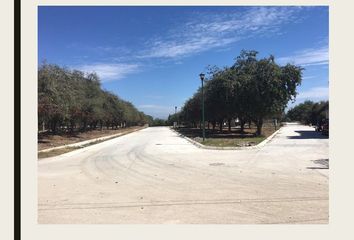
pixel 191 111
pixel 252 90
pixel 219 97
pixel 269 86
pixel 159 122
pixel 309 112
pixel 71 99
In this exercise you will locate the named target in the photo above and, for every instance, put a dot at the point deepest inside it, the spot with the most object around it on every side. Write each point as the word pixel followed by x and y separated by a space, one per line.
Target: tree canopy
pixel 309 112
pixel 71 99
pixel 251 89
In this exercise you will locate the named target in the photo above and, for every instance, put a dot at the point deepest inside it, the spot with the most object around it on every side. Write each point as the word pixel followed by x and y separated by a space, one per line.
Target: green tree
pixel 269 86
pixel 71 98
pixel 309 112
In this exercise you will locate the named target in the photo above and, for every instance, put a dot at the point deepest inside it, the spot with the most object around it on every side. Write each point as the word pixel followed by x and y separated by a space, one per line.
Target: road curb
pixel 80 144
pixel 199 145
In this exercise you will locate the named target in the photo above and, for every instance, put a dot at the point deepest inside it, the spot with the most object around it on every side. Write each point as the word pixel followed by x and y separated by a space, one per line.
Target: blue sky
pixel 152 56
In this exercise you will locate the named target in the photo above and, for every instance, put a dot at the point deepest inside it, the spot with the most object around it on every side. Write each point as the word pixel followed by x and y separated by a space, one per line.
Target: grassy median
pixel 226 138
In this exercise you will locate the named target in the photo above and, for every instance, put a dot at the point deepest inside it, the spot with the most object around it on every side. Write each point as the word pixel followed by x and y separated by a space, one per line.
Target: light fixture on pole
pixel 175 117
pixel 202 76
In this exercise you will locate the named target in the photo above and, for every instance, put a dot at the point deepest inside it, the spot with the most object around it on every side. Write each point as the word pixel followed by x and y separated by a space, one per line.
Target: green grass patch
pixel 226 138
pixel 231 142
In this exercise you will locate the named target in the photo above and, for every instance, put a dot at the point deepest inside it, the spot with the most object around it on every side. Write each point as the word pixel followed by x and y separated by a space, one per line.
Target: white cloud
pixel 109 72
pixel 308 57
pixel 308 77
pixel 317 93
pixel 217 30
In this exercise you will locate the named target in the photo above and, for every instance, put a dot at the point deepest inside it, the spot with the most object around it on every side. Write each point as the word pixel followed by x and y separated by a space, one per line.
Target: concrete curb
pixel 80 144
pixel 199 145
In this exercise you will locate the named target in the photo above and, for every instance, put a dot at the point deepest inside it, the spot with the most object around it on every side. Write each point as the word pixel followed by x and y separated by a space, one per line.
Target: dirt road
pixel 155 176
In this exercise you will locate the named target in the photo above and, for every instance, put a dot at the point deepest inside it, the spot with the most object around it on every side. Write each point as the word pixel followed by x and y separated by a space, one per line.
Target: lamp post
pixel 202 75
pixel 176 116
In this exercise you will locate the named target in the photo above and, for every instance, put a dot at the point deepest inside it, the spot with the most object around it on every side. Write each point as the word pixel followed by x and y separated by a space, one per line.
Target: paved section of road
pixel 155 176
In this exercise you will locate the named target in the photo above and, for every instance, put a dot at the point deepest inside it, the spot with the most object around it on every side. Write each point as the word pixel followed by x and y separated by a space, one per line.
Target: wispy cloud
pixel 203 32
pixel 308 77
pixel 219 30
pixel 109 72
pixel 317 93
pixel 308 57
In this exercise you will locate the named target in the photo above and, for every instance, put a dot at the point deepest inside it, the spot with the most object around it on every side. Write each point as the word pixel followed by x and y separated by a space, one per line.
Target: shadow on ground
pixel 308 134
pixel 321 164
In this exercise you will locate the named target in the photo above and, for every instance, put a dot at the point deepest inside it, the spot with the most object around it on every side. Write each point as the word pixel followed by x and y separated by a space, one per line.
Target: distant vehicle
pixel 325 127
pixel 319 127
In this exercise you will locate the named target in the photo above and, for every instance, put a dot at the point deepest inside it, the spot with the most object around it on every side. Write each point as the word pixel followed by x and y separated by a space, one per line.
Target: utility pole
pixel 202 75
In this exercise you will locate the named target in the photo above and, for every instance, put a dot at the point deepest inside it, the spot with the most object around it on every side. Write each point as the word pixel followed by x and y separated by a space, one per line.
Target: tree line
pixel 70 100
pixel 309 112
pixel 250 90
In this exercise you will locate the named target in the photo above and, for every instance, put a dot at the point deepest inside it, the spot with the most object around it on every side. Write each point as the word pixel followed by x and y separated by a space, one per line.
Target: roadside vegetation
pixel 70 101
pixel 72 107
pixel 309 112
pixel 232 138
pixel 251 92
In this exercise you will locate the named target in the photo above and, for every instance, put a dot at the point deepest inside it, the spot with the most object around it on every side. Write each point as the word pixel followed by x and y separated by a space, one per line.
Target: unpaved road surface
pixel 155 176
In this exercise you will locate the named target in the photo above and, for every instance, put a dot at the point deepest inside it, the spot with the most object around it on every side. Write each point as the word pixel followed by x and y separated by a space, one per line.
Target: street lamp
pixel 176 116
pixel 202 75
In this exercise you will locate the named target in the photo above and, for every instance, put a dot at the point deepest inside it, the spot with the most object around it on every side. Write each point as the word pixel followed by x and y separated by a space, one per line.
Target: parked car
pixel 318 127
pixel 325 127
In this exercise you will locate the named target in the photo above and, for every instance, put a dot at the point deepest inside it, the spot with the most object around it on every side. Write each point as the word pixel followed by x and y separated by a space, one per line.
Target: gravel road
pixel 155 176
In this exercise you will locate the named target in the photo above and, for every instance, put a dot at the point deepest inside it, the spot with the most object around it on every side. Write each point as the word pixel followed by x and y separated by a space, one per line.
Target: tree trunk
pixel 72 125
pixel 214 125
pixel 85 125
pixel 229 123
pixel 54 126
pixel 249 124
pixel 242 124
pixel 259 127
pixel 220 125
